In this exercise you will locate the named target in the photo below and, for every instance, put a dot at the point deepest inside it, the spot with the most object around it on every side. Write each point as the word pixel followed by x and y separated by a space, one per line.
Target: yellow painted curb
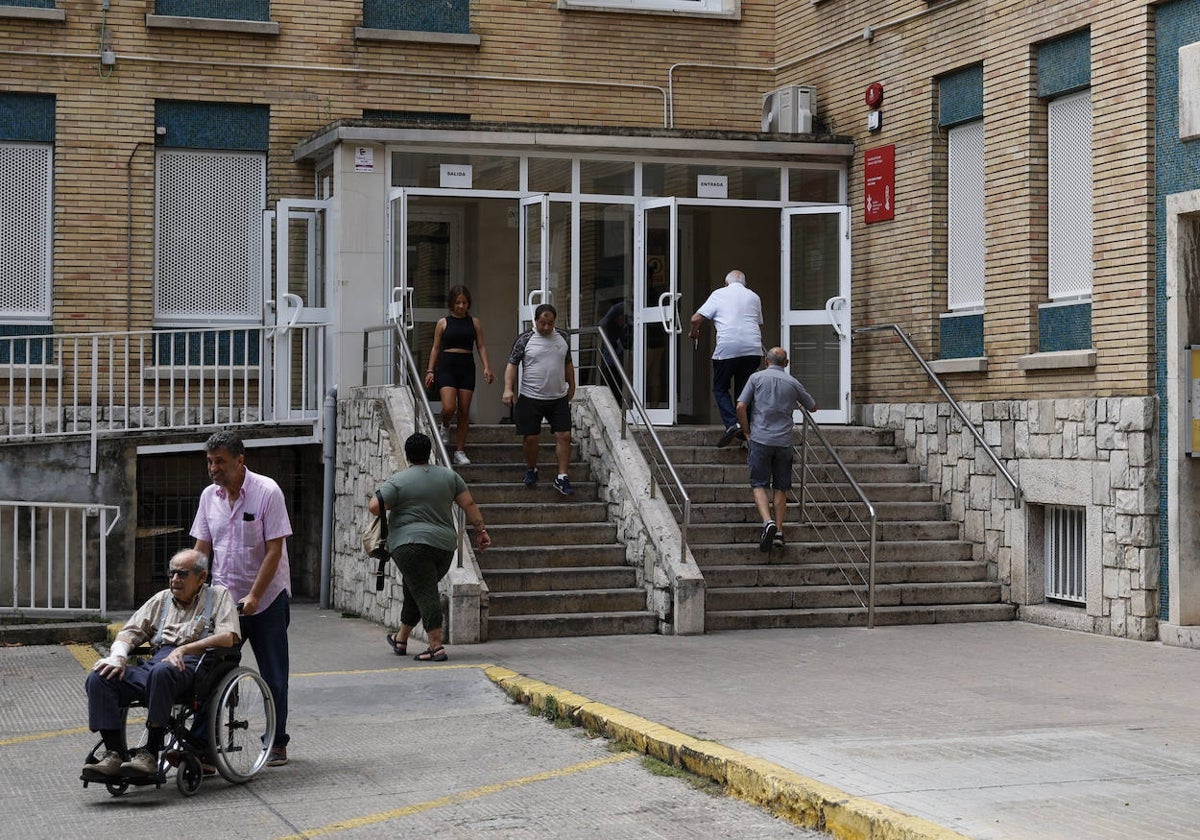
pixel 798 799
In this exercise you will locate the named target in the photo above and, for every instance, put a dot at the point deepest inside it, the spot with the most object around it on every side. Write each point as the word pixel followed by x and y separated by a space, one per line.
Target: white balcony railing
pixel 54 557
pixel 99 384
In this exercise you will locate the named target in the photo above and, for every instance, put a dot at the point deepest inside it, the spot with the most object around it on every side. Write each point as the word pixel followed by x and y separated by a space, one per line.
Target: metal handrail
pixel 403 371
pixel 607 364
pixel 962 415
pixel 811 424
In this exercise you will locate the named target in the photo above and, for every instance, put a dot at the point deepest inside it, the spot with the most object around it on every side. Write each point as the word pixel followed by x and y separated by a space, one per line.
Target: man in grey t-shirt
pixel 764 411
pixel 547 386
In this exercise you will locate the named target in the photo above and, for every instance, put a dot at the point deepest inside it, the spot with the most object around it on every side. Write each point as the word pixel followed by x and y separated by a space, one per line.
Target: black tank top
pixel 459 333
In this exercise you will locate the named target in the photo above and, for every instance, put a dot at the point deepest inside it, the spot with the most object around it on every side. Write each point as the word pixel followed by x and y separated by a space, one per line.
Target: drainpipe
pixel 328 451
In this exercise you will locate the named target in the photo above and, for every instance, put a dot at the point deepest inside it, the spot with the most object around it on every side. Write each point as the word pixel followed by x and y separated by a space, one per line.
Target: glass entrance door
pixel 656 317
pixel 816 310
pixel 535 258
pixel 427 243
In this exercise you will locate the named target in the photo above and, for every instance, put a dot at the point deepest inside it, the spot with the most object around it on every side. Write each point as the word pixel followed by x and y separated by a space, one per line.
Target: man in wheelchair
pixel 178 624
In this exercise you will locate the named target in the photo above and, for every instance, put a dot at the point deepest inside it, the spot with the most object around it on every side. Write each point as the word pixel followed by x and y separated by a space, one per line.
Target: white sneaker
pixel 460 458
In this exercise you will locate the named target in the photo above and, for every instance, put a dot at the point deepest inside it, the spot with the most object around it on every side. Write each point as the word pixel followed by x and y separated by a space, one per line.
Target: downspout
pixel 328 453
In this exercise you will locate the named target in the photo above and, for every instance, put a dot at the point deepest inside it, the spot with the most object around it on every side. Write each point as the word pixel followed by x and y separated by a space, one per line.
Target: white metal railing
pixel 54 557
pixel 1064 548
pixel 98 384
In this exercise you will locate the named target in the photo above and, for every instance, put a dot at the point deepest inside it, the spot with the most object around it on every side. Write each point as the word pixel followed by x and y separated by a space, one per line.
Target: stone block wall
pixel 371 426
pixel 1098 454
pixel 645 524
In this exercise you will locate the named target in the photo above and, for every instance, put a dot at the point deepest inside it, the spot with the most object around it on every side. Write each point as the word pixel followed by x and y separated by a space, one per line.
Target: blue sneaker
pixel 530 478
pixel 563 485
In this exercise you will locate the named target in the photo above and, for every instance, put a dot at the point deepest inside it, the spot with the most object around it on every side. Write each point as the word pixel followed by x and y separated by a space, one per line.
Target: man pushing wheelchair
pixel 178 624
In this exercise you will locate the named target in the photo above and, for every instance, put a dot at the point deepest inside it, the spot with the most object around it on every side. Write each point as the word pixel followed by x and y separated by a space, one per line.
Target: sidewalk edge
pixel 798 799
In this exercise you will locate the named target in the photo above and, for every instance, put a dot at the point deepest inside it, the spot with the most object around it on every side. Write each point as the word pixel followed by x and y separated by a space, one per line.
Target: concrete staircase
pixel 555 568
pixel 925 573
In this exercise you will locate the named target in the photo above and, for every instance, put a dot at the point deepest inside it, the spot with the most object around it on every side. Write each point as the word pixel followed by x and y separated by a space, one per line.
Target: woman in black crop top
pixel 452 366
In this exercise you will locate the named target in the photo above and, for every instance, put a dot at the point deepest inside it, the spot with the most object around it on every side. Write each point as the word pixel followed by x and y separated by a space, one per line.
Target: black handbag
pixel 375 541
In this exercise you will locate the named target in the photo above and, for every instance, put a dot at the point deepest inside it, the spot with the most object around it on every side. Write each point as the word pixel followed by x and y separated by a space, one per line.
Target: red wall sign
pixel 879 176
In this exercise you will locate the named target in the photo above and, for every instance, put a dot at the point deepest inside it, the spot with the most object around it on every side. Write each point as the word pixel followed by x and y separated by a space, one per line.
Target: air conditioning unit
pixel 789 110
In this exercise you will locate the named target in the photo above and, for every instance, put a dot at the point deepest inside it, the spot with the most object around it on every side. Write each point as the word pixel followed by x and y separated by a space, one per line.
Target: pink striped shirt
pixel 239 535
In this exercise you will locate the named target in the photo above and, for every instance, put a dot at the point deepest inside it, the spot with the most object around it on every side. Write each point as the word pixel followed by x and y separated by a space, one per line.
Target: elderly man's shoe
pixel 141 763
pixel 108 767
pixel 277 756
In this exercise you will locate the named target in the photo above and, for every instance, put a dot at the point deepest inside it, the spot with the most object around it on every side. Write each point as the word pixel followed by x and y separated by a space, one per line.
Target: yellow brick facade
pixel 538 64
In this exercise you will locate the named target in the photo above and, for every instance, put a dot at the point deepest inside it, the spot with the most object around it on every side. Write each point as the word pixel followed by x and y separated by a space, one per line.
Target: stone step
pixel 737 455
pixel 733 494
pixel 485 454
pixel 566 602
pixel 856 616
pixel 575 578
pixel 832 574
pixel 572 624
pixel 900 551
pixel 742 598
pixel 838 436
pixel 490 492
pixel 578 533
pixel 571 511
pixel 550 556
pixel 709 514
pixel 738 475
pixel 53 633
pixel 741 536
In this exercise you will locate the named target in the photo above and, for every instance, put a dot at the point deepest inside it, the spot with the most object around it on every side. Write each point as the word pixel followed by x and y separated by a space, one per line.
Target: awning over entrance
pixel 629 228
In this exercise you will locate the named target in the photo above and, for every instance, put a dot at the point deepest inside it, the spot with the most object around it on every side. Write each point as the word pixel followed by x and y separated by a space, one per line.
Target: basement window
pixel 1065 540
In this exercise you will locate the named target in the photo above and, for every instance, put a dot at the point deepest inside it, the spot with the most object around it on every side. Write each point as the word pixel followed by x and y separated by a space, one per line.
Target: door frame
pixel 836 312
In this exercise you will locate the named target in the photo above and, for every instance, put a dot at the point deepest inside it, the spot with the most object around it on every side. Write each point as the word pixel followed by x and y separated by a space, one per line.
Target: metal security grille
pixel 1065 541
pixel 26 217
pixel 208 226
pixel 1070 195
pixel 964 286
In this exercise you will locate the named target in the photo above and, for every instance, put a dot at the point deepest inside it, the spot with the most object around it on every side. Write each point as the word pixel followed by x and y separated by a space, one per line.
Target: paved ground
pixel 382 747
pixel 1004 730
pixel 992 731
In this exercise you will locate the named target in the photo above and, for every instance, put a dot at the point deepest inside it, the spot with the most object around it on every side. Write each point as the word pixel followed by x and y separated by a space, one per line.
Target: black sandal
pixel 432 655
pixel 397 648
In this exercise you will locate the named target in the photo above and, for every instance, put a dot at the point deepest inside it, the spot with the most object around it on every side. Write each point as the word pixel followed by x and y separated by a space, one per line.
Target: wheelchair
pixel 228 720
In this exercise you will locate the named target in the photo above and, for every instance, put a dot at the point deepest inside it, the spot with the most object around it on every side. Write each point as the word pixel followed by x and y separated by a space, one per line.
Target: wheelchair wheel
pixel 241 724
pixel 116 788
pixel 189 775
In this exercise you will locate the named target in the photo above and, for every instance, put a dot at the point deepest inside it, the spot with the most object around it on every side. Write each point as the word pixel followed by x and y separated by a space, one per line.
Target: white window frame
pixel 1069 204
pixel 730 9
pixel 252 312
pixel 1065 553
pixel 41 222
pixel 965 242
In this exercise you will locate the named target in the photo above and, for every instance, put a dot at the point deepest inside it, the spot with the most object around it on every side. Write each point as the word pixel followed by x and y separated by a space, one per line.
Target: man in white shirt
pixel 547 386
pixel 736 312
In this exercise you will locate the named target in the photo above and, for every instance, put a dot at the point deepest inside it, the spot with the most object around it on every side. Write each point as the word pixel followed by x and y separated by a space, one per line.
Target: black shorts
pixel 455 370
pixel 529 413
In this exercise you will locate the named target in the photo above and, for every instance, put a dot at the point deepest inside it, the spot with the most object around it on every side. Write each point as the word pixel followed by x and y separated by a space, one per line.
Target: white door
pixel 297 296
pixel 656 317
pixel 816 305
pixel 534 269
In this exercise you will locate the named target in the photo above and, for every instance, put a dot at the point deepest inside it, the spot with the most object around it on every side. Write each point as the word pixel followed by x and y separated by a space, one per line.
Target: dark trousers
pixel 266 631
pixel 421 567
pixel 736 371
pixel 156 684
